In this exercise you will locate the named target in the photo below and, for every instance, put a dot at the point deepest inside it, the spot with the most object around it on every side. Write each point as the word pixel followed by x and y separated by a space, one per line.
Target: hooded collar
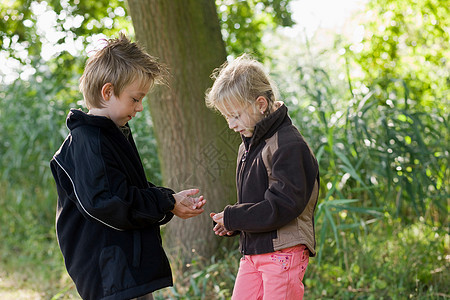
pixel 77 117
pixel 123 140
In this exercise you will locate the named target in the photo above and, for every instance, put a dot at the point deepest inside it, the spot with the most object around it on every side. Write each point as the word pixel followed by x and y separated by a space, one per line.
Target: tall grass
pixel 32 126
pixel 377 156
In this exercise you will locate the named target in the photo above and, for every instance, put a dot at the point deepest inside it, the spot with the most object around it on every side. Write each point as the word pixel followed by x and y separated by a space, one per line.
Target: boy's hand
pixel 219 229
pixel 187 207
pixel 192 202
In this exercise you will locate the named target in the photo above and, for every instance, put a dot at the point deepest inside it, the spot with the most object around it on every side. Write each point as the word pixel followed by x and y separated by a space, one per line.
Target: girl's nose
pixel 231 123
pixel 139 107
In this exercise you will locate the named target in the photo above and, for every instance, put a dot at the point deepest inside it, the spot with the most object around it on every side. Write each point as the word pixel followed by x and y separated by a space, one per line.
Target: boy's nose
pixel 139 107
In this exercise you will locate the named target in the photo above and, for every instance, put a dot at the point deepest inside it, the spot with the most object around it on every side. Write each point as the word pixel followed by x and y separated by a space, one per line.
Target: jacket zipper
pixel 241 171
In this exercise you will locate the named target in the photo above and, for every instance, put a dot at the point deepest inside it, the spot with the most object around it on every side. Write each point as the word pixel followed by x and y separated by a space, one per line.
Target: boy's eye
pixel 135 100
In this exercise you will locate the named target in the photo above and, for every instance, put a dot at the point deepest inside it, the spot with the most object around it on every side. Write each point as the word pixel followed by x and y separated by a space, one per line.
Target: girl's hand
pixel 219 229
pixel 218 218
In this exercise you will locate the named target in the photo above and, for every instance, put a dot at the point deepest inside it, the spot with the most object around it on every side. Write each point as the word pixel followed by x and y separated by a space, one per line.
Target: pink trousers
pixel 272 276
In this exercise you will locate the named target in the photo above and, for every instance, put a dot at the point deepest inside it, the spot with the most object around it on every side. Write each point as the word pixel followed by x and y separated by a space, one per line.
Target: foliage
pixel 32 116
pixel 403 99
pixel 244 23
pixel 62 30
pixel 203 278
pixel 59 30
pixel 404 53
pixel 406 262
pixel 33 127
pixel 144 137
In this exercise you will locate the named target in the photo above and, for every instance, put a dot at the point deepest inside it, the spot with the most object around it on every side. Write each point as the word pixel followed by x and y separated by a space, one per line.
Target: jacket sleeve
pixel 169 192
pixel 294 170
pixel 103 193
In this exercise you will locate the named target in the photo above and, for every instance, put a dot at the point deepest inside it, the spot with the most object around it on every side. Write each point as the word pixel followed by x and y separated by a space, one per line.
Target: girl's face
pixel 241 118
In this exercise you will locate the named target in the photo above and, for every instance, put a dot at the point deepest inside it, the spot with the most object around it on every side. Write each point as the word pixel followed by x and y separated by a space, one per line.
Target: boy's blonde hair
pixel 120 63
pixel 242 80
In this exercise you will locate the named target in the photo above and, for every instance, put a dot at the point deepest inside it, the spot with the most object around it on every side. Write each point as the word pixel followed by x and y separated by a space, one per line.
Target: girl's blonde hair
pixel 242 81
pixel 120 63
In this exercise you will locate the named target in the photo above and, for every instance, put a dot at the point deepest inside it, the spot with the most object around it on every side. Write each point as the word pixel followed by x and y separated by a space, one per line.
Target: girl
pixel 277 179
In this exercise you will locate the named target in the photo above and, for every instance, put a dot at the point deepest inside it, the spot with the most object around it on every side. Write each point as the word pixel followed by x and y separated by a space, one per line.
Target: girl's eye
pixel 135 100
pixel 228 117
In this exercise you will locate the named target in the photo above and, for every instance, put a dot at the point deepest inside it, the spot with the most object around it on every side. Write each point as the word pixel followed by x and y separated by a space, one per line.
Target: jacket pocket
pixel 116 274
pixel 287 236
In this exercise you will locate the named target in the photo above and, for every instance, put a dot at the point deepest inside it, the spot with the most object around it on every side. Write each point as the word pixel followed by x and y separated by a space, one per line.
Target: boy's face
pixel 122 108
pixel 241 118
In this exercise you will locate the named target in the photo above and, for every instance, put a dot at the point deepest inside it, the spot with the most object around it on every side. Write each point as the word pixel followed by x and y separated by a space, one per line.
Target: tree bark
pixel 196 148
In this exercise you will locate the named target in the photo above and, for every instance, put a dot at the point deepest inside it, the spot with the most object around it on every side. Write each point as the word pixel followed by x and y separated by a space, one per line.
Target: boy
pixel 108 214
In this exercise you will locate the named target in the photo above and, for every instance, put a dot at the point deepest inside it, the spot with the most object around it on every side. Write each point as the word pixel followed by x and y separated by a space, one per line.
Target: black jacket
pixel 278 185
pixel 108 214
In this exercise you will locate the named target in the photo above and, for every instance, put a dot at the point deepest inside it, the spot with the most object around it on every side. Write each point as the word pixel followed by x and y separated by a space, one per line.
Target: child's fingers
pixel 218 216
pixel 200 204
pixel 222 231
pixel 186 212
pixel 190 192
pixel 194 212
pixel 218 229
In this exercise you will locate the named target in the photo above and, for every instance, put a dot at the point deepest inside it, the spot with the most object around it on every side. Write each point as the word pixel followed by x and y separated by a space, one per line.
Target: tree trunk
pixel 196 148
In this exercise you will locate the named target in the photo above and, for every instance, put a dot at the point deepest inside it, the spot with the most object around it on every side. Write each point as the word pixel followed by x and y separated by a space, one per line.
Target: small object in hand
pixel 189 202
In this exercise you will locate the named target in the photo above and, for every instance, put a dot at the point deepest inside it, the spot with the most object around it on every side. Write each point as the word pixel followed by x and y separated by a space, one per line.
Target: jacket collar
pixel 77 117
pixel 269 125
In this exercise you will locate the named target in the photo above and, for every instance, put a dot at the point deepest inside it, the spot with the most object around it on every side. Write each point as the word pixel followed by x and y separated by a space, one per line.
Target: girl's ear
pixel 262 104
pixel 107 91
